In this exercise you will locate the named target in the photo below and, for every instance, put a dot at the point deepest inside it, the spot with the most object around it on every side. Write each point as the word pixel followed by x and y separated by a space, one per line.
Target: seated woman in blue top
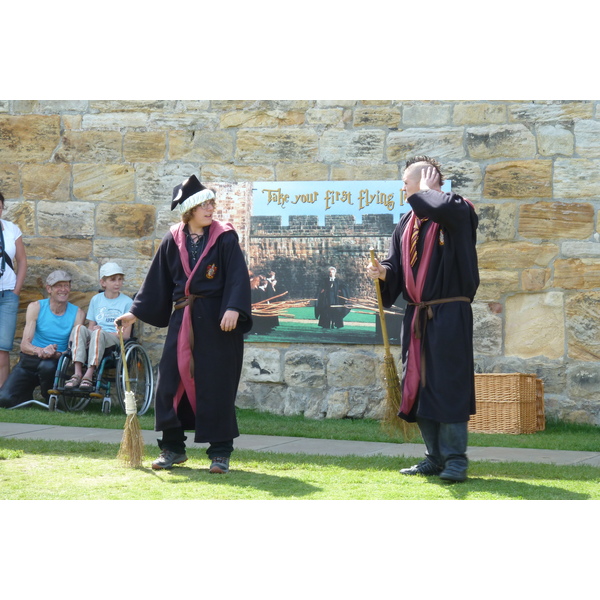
pixel 48 324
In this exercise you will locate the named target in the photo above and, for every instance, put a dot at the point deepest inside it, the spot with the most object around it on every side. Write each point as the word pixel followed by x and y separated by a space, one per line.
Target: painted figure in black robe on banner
pixel 198 286
pixel 332 295
pixel 432 262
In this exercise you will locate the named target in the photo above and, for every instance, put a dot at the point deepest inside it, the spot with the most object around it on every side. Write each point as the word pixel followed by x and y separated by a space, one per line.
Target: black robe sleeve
pixel 153 303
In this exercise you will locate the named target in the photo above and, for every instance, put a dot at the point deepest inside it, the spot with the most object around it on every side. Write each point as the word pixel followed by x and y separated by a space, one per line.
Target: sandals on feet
pixel 86 385
pixel 73 382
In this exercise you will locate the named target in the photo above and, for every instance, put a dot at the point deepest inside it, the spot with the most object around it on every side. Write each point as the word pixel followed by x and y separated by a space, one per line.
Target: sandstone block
pixel 442 143
pixel 56 219
pixel 261 364
pixel 551 220
pixel 342 103
pixel 141 250
pixel 22 214
pixel 72 121
pixel 144 146
pixel 534 280
pixel 515 255
pixel 155 181
pixel 89 147
pixel 229 172
pixel 426 114
pixel 555 139
pixel 577 273
pixel 584 381
pixel 487 330
pixel 518 179
pixel 114 106
pixel 46 247
pixel 261 118
pixel 304 368
pixel 104 183
pixel 193 121
pixel 495 283
pixel 496 222
pixel 466 178
pixel 28 138
pixel 476 113
pixel 300 172
pixel 9 183
pixel 500 141
pixel 587 138
pixel 582 312
pixel 550 111
pixel 125 220
pixel 377 116
pixel 355 369
pixel 534 325
pixel 365 172
pixel 331 117
pixel 580 249
pixel 114 121
pixel 576 178
pixel 269 145
pixel 49 181
pixel 201 146
pixel 349 146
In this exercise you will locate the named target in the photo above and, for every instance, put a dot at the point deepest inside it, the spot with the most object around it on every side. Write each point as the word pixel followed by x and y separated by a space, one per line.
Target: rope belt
pixel 182 303
pixel 419 329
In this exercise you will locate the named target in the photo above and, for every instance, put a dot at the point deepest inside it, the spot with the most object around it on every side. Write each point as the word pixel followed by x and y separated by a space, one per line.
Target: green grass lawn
pixel 58 470
pixel 558 435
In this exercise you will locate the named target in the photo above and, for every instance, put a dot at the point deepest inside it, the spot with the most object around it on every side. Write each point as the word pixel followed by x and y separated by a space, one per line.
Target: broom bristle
pixel 131 451
pixel 392 424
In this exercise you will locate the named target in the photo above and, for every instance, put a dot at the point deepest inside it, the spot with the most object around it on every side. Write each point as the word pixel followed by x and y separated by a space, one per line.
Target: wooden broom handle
pixel 380 304
pixel 123 355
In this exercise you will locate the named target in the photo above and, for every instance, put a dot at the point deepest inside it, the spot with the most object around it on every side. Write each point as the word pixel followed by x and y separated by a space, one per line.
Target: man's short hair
pixel 426 159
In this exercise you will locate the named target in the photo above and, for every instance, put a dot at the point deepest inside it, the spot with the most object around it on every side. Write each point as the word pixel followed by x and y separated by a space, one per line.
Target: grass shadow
pixel 277 486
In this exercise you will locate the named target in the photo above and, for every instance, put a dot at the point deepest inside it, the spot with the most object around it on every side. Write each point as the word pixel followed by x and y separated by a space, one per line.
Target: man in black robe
pixel 198 286
pixel 432 262
pixel 332 295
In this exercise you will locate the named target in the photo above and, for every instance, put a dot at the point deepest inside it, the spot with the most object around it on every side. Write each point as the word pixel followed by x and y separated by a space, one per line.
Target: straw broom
pixel 132 444
pixel 391 422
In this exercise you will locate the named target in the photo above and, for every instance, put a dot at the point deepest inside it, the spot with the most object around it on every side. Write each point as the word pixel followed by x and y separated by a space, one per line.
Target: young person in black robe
pixel 198 286
pixel 332 295
pixel 438 276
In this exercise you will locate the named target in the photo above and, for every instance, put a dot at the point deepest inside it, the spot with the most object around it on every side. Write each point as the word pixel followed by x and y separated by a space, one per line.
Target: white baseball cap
pixel 110 268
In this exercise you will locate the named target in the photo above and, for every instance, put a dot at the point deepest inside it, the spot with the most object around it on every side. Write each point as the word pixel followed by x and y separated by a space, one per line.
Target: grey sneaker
pixel 167 459
pixel 220 464
pixel 425 467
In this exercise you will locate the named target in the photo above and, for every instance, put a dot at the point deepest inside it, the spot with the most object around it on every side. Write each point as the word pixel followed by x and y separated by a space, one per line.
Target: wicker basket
pixel 508 403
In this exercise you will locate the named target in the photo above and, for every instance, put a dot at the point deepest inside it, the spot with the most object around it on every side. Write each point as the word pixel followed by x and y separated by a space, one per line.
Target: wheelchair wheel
pixel 74 400
pixel 141 377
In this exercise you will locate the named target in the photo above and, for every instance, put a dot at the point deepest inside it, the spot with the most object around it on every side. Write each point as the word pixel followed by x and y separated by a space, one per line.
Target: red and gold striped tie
pixel 413 240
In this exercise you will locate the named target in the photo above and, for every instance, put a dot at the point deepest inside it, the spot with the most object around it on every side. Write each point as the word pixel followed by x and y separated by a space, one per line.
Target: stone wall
pixel 89 181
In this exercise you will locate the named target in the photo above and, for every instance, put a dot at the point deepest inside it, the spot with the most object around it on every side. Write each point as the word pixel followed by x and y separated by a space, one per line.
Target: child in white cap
pixel 101 332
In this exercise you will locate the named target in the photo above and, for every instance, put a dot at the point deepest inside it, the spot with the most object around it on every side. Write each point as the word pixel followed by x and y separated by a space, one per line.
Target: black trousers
pixel 174 440
pixel 28 373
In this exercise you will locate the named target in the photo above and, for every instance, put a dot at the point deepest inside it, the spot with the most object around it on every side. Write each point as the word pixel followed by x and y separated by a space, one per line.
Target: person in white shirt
pixel 13 268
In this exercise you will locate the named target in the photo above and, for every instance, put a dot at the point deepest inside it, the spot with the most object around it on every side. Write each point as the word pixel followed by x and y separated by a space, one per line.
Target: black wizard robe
pixel 205 402
pixel 332 295
pixel 447 342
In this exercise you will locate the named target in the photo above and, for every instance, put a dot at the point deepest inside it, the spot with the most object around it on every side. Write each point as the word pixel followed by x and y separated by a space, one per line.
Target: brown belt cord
pixel 182 303
pixel 419 333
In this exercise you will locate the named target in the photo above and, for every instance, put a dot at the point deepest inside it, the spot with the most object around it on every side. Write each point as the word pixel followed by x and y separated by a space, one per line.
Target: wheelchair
pixel 109 375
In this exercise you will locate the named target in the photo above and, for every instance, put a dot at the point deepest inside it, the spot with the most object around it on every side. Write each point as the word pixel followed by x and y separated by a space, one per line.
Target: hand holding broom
pixel 132 444
pixel 391 421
